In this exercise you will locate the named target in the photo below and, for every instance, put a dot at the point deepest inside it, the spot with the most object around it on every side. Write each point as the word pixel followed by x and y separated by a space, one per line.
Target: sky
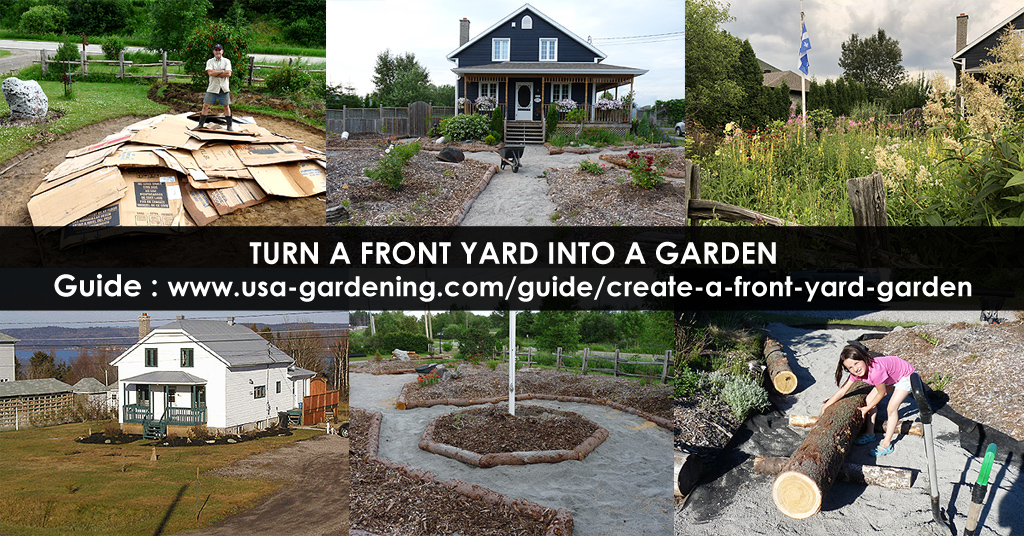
pixel 925 29
pixel 82 319
pixel 358 30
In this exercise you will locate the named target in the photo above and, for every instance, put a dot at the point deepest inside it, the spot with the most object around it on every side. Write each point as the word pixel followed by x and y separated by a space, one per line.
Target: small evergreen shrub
pixel 497 121
pixel 465 127
pixel 67 51
pixel 489 140
pixel 552 121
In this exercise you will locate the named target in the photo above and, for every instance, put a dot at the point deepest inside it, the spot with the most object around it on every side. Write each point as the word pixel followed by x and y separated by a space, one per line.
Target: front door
pixel 524 101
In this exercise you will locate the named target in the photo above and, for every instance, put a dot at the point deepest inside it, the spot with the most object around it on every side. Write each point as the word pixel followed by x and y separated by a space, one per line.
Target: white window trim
pixel 540 53
pixel 480 91
pixel 527 23
pixel 566 86
pixel 508 48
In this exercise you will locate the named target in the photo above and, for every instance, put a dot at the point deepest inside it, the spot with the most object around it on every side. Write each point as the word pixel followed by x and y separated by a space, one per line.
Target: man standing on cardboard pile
pixel 218 92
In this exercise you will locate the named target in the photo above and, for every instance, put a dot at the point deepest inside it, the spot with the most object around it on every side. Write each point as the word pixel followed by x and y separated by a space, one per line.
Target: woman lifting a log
pixel 889 375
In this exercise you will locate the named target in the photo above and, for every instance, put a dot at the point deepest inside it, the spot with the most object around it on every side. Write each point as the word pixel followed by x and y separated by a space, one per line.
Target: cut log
pixel 904 427
pixel 806 479
pixel 687 468
pixel 779 370
pixel 872 475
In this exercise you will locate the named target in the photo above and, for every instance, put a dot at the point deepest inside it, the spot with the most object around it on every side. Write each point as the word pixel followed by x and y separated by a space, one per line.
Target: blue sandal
pixel 879 451
pixel 865 439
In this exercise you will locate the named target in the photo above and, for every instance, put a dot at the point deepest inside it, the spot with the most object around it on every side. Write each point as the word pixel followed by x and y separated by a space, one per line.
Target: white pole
pixel 803 80
pixel 512 363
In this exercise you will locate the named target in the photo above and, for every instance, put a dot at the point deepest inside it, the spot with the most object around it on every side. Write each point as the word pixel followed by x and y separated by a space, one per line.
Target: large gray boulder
pixel 25 98
pixel 451 154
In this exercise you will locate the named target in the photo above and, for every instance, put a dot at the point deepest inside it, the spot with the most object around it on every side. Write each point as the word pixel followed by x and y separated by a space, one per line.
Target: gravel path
pixel 731 499
pixel 623 487
pixel 521 199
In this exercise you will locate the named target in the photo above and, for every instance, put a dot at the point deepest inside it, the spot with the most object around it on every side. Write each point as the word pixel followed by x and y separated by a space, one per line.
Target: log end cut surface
pixel 785 382
pixel 796 495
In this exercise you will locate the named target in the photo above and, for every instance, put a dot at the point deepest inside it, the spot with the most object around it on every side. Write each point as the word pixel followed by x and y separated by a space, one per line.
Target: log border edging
pixel 560 521
pixel 493 459
pixel 460 214
pixel 403 403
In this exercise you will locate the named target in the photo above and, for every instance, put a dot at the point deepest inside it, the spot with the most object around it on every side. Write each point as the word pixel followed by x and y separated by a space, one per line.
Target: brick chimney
pixel 961 32
pixel 143 325
pixel 463 31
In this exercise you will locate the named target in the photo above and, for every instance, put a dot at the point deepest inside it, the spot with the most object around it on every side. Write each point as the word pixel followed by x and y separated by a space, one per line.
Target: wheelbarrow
pixel 510 155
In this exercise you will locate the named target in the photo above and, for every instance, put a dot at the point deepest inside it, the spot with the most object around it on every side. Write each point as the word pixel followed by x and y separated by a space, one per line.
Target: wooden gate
pixel 419 117
pixel 320 405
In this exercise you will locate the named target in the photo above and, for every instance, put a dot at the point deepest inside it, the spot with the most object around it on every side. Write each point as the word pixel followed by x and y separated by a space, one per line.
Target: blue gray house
pixel 971 57
pixel 527 61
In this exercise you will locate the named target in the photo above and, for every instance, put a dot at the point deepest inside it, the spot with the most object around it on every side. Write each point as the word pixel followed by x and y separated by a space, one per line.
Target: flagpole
pixel 803 79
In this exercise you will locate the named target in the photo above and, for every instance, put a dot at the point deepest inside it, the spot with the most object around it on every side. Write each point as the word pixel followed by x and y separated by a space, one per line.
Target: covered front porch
pixel 156 402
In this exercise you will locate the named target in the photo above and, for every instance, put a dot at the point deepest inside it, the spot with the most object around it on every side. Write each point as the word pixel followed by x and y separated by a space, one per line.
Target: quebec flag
pixel 805 45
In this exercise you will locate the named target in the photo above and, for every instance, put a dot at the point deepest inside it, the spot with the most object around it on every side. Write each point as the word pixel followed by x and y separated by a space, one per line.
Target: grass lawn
pixel 5 53
pixel 53 485
pixel 91 103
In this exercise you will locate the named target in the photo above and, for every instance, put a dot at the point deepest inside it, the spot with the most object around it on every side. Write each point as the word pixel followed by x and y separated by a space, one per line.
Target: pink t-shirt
pixel 887 370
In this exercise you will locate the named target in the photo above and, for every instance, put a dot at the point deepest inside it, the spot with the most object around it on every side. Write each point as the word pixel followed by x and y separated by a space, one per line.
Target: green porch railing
pixel 184 416
pixel 137 413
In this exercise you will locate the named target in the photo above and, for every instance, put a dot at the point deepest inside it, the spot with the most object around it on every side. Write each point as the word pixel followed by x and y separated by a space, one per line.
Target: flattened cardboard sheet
pixel 74 199
pixel 270 153
pixel 79 165
pixel 114 139
pixel 244 194
pixel 294 179
pixel 125 159
pixel 153 199
pixel 196 176
pixel 198 205
pixel 173 131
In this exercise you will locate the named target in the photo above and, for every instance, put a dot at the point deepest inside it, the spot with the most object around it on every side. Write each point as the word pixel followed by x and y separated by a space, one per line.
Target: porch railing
pixel 184 416
pixel 472 108
pixel 137 413
pixel 594 115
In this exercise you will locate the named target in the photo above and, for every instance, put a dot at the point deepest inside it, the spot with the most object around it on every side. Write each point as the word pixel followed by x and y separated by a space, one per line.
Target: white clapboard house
pixel 216 373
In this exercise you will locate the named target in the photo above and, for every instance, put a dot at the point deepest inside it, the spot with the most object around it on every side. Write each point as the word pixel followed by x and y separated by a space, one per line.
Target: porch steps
pixel 524 132
pixel 154 430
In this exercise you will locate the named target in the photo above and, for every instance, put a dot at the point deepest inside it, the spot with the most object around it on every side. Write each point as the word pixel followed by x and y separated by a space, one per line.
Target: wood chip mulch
pixel 492 429
pixel 583 198
pixel 388 503
pixel 703 424
pixel 481 382
pixel 983 363
pixel 386 366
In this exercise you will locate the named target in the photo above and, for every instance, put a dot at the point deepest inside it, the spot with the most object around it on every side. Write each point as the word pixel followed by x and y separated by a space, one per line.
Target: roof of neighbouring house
pixel 89 385
pixel 235 344
pixel 44 386
pixel 541 67
pixel 792 80
pixel 295 373
pixel 170 377
pixel 537 12
pixel 985 35
pixel 767 67
pixel 7 338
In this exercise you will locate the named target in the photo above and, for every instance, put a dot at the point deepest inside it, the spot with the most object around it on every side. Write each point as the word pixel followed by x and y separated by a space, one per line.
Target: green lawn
pixel 91 103
pixel 55 486
pixel 5 53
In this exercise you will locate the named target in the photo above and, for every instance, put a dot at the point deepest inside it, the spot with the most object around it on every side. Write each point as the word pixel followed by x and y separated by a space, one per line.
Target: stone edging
pixel 560 522
pixel 404 403
pixel 460 214
pixel 511 458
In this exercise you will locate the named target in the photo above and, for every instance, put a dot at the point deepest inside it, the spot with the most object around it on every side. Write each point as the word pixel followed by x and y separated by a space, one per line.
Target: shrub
pixel 465 127
pixel 199 432
pixel 97 17
pixel 44 19
pixel 112 429
pixel 497 122
pixel 686 383
pixel 199 48
pixel 822 118
pixel 493 364
pixel 744 395
pixel 67 51
pixel 552 121
pixel 307 32
pixel 599 137
pixel 489 140
pixel 446 347
pixel 559 139
pixel 388 170
pixel 113 47
pixel 577 115
pixel 591 167
pixel 403 340
pixel 646 174
pixel 287 79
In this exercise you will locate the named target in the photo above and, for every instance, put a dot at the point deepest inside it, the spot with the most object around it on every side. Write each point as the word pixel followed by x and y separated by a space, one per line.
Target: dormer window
pixel 527 23
pixel 499 49
pixel 549 49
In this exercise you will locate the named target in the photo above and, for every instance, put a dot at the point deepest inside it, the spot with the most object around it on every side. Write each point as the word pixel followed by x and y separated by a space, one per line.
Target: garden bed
pixel 481 383
pixel 394 366
pixel 395 500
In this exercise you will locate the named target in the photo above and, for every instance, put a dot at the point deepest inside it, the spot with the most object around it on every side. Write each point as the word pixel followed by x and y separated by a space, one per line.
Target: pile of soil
pixel 182 98
pixel 492 429
pixel 481 382
pixel 385 502
pixel 99 438
pixel 432 192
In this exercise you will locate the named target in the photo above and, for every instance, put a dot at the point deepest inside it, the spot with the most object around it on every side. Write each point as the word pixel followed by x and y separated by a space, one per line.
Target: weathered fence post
pixel 164 61
pixel 664 366
pixel 252 61
pixel 692 174
pixel 616 368
pixel 867 202
pixel 42 60
pixel 558 358
pixel 586 352
pixel 120 62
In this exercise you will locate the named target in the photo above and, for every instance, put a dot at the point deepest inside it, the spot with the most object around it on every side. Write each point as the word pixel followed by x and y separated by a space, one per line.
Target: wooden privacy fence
pixel 587 362
pixel 321 404
pixel 414 120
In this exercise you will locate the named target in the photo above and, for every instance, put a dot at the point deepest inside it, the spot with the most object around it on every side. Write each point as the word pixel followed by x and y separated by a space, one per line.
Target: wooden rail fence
pixel 588 360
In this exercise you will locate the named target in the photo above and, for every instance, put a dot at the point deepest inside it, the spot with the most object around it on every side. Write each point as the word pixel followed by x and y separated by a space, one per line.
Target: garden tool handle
pixel 929 446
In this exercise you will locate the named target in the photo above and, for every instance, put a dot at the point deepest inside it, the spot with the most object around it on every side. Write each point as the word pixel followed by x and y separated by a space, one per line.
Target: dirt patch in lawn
pixel 493 429
pixel 432 192
pixel 584 198
pixel 386 502
pixel 978 367
pixel 481 382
